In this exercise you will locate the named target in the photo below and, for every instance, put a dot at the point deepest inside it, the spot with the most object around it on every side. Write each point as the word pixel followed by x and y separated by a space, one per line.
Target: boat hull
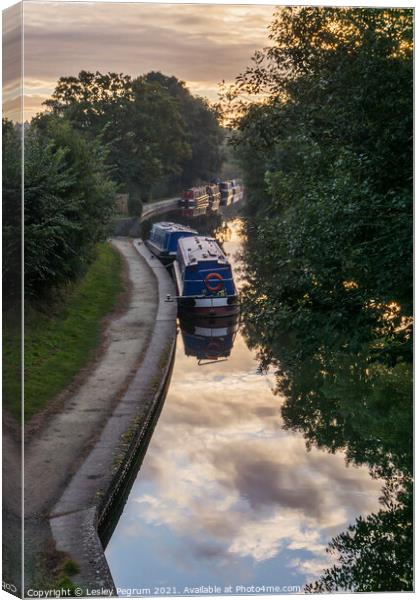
pixel 210 306
pixel 204 306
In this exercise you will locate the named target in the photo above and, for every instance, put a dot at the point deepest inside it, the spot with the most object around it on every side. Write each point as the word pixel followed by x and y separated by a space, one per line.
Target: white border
pixel 350 3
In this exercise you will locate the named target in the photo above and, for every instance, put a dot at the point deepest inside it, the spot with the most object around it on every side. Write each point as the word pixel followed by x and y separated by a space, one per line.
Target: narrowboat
pixel 213 191
pixel 209 339
pixel 203 276
pixel 163 239
pixel 194 201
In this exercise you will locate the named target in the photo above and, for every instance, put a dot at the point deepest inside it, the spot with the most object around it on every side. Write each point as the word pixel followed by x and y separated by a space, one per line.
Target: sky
pixel 199 44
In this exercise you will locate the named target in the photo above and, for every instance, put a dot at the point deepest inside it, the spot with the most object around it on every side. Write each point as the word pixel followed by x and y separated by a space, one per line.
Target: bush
pixel 68 202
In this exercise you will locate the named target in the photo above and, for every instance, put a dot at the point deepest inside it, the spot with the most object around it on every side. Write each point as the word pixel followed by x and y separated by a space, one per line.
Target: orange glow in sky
pixel 199 44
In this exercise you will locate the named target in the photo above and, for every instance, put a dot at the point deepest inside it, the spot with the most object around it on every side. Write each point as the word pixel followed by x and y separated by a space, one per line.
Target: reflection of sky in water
pixel 225 496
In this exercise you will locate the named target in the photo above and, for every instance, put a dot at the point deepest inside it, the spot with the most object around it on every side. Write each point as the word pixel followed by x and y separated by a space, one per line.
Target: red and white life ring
pixel 211 277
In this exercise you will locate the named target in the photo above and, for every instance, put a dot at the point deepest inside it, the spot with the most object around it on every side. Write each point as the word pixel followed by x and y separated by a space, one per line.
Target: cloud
pixel 240 487
pixel 200 44
pixel 225 489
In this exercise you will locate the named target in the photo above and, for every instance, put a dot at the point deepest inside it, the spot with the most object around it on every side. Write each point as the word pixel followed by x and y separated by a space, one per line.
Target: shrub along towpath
pixel 75 463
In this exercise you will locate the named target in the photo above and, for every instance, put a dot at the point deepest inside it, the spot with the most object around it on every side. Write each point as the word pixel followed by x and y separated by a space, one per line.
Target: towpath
pixel 54 453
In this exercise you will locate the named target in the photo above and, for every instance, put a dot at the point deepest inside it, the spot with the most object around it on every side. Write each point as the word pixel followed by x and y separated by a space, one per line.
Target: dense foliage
pixel 159 137
pixel 68 201
pixel 326 150
pixel 11 211
pixel 146 136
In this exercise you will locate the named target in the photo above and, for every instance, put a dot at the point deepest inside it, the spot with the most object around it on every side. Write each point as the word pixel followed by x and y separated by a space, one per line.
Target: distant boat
pixel 164 238
pixel 237 190
pixel 203 277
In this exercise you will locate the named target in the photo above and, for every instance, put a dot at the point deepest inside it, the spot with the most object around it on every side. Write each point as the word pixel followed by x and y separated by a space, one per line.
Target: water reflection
pixel 346 378
pixel 226 495
pixel 204 224
pixel 208 339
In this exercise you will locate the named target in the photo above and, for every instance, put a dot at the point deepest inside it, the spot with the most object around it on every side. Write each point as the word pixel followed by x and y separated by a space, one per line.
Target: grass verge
pixel 60 337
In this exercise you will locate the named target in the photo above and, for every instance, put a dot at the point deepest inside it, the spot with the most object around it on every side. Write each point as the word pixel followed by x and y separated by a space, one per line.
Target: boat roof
pixel 199 248
pixel 173 227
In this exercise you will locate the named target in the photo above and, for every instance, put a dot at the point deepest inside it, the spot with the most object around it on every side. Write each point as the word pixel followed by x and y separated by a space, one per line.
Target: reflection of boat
pixel 213 192
pixel 194 201
pixel 209 339
pixel 227 193
pixel 237 191
pixel 203 276
pixel 164 238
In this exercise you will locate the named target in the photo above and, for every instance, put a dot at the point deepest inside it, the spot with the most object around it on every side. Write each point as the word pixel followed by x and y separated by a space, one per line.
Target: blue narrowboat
pixel 164 238
pixel 203 277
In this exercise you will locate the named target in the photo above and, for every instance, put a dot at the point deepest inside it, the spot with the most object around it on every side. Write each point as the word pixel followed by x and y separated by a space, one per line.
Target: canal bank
pixel 78 463
pixel 79 466
pixel 91 494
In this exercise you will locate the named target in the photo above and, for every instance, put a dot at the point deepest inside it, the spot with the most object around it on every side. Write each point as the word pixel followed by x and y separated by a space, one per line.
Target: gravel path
pixel 54 454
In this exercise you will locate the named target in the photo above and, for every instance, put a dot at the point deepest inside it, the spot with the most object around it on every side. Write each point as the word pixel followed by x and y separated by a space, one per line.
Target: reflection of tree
pixel 347 386
pixel 204 224
pixel 352 402
pixel 375 553
pixel 328 297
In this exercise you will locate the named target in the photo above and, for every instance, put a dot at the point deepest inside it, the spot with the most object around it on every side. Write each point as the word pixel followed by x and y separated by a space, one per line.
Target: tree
pixel 328 165
pixel 12 212
pixel 327 156
pixel 157 134
pixel 204 133
pixel 68 202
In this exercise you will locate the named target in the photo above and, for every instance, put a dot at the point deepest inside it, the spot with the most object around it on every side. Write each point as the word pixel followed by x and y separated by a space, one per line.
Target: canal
pixel 226 497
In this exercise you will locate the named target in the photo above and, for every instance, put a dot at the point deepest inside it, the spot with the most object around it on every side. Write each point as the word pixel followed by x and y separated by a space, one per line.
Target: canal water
pixel 226 498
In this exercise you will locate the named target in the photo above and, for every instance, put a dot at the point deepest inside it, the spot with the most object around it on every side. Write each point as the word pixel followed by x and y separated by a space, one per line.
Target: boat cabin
pixel 163 239
pixel 195 201
pixel 195 197
pixel 214 195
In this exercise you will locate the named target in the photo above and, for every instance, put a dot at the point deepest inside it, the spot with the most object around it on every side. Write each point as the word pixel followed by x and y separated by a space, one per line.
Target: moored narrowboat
pixel 163 239
pixel 236 190
pixel 203 277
